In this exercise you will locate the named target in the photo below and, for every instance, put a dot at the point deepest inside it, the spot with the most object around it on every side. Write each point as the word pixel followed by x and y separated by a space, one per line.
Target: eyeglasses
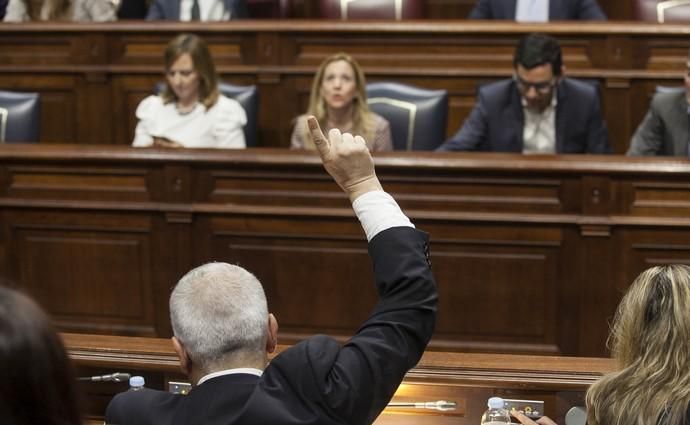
pixel 543 87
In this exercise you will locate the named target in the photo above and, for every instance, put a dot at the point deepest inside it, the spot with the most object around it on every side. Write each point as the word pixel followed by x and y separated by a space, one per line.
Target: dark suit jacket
pixel 170 9
pixel 559 10
pixel 664 130
pixel 317 381
pixel 496 122
pixel 3 8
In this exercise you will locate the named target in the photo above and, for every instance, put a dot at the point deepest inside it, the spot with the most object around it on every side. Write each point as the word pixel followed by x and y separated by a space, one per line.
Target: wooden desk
pixel 92 76
pixel 531 253
pixel 468 379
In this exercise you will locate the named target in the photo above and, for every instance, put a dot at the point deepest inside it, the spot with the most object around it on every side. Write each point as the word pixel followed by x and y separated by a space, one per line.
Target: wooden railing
pixel 464 378
pixel 531 253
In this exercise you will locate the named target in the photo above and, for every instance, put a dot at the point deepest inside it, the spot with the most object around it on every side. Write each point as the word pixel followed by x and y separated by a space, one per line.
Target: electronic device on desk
pixel 533 409
pixel 179 387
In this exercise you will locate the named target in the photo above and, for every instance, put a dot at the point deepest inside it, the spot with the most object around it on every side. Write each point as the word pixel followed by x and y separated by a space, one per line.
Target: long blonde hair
pixel 362 119
pixel 650 339
pixel 49 10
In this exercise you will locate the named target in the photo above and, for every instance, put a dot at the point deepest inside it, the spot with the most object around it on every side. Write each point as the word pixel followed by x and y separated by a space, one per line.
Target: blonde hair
pixel 49 10
pixel 362 119
pixel 203 65
pixel 650 339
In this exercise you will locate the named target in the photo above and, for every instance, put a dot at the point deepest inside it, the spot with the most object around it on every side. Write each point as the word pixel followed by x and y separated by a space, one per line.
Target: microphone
pixel 441 405
pixel 113 377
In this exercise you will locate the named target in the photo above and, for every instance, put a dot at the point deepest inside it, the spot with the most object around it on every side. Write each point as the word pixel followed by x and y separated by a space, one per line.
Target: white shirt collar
pixel 245 370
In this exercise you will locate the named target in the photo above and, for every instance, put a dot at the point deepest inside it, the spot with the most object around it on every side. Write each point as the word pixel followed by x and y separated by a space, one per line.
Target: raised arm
pixel 353 383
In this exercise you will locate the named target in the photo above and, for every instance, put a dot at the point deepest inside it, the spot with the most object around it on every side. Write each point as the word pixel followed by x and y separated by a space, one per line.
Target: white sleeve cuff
pixel 378 211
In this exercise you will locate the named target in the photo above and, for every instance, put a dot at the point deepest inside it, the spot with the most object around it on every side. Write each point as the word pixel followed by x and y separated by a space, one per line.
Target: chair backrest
pixel 248 97
pixel 417 116
pixel 669 89
pixel 268 9
pixel 662 11
pixel 371 9
pixel 20 117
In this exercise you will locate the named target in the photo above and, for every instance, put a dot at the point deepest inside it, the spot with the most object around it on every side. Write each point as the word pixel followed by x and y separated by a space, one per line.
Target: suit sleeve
pixel 589 10
pixel 597 134
pixel 354 383
pixel 649 136
pixel 474 132
pixel 240 10
pixel 481 10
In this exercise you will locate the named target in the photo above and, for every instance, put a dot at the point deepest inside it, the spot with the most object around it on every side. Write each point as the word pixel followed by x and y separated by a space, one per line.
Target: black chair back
pixel 20 117
pixel 248 97
pixel 417 116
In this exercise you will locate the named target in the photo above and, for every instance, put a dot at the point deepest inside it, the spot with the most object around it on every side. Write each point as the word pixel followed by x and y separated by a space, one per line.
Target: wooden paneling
pixel 531 253
pixel 92 77
pixel 93 273
pixel 467 379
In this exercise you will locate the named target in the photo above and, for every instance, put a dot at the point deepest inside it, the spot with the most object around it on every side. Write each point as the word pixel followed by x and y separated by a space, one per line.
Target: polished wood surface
pixel 465 378
pixel 92 76
pixel 531 253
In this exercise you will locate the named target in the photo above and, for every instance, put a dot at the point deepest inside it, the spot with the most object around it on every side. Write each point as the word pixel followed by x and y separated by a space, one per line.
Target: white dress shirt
pixel 532 11
pixel 539 130
pixel 209 10
pixel 378 211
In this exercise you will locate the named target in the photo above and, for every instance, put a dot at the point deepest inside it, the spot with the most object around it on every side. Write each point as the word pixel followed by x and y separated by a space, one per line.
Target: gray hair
pixel 219 309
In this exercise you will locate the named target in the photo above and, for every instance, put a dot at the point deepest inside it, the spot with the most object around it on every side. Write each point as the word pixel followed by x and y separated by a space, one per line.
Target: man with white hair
pixel 223 331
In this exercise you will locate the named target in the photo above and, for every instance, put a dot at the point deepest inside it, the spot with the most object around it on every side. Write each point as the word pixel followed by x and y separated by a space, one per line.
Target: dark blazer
pixel 559 10
pixel 664 130
pixel 496 122
pixel 170 9
pixel 3 8
pixel 317 381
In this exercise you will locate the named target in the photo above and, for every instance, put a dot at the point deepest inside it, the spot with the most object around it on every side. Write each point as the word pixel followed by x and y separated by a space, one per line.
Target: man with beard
pixel 537 111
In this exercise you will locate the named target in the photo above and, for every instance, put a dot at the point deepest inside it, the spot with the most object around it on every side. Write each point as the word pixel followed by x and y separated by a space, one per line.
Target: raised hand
pixel 347 160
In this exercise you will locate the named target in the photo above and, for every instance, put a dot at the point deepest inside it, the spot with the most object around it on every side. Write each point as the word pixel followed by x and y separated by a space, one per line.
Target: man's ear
pixel 272 334
pixel 185 361
pixel 563 70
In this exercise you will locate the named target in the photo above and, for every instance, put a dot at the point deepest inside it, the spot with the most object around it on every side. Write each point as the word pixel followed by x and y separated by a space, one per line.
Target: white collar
pixel 245 370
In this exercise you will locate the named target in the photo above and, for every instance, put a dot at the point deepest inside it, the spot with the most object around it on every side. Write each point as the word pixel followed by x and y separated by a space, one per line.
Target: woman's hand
pixel 544 420
pixel 162 142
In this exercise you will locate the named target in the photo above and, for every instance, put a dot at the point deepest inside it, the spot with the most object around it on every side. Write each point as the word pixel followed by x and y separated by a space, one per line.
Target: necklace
pixel 185 111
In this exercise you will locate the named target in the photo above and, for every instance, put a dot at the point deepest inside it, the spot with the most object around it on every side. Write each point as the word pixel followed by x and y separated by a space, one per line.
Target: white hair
pixel 219 309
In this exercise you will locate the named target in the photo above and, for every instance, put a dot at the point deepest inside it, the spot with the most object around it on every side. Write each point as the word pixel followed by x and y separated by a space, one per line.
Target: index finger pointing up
pixel 322 144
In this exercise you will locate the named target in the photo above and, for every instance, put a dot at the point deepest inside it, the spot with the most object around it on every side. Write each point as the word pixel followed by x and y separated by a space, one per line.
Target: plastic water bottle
pixel 496 414
pixel 136 383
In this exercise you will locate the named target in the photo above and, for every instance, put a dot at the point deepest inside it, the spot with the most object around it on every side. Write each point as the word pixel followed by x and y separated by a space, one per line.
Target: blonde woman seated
pixel 339 100
pixel 190 112
pixel 650 340
pixel 61 10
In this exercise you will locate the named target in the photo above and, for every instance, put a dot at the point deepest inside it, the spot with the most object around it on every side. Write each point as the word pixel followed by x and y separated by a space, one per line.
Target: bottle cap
pixel 496 403
pixel 136 381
